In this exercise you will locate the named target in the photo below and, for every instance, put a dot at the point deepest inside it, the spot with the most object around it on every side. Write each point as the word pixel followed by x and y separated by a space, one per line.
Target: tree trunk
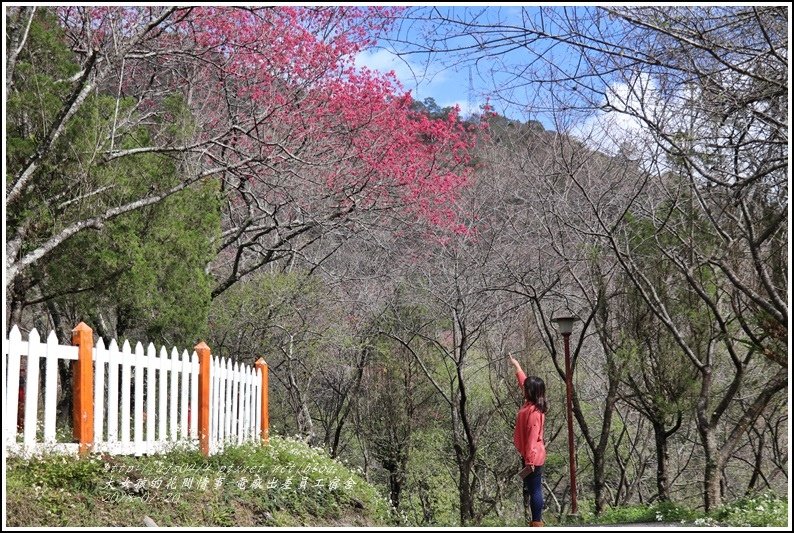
pixel 333 439
pixel 662 458
pixel 64 403
pixel 303 417
pixel 599 461
pixel 14 313
pixel 16 298
pixel 304 420
pixel 712 471
pixel 759 459
pixel 464 489
pixel 712 494
pixel 396 482
pixel 600 451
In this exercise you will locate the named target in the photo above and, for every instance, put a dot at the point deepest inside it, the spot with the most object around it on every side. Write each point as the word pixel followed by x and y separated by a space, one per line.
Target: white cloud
pixel 384 61
pixel 614 127
pixel 413 76
pixel 465 109
pixel 620 125
pixel 648 123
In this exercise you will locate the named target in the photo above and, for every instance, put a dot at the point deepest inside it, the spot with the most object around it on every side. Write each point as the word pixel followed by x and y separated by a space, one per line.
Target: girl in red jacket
pixel 528 438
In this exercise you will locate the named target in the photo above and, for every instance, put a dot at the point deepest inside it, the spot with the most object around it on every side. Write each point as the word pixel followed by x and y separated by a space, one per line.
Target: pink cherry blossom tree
pixel 266 102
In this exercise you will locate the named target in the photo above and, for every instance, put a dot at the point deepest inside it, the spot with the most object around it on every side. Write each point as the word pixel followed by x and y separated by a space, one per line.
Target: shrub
pixel 764 509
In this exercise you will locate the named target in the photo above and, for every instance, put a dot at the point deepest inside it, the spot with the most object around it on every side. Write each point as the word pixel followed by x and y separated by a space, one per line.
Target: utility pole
pixel 470 102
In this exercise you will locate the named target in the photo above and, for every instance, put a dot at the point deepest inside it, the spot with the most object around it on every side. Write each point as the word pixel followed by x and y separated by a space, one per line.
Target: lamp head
pixel 565 323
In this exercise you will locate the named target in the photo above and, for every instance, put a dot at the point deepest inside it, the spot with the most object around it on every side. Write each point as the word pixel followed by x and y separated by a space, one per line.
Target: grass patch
pixel 759 510
pixel 284 484
pixel 656 512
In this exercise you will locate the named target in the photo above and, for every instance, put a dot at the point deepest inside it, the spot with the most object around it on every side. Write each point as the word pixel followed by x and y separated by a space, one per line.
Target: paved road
pixel 638 525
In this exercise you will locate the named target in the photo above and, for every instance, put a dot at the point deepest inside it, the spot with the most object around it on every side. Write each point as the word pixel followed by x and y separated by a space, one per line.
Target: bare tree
pixel 702 92
pixel 296 147
pixel 454 279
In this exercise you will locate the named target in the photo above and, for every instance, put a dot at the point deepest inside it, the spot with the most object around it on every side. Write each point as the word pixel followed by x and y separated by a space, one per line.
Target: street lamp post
pixel 566 327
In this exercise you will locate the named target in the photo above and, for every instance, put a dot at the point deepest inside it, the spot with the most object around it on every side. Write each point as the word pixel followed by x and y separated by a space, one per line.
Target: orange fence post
pixel 83 388
pixel 203 352
pixel 265 420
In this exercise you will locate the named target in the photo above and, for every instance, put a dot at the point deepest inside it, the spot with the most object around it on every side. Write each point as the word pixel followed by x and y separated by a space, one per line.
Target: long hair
pixel 535 393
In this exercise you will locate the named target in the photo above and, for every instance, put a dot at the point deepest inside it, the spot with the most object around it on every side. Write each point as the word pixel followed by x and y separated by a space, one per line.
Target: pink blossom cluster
pixel 293 112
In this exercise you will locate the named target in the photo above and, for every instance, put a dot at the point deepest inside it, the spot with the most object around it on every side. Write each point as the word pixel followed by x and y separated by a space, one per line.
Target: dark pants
pixel 533 493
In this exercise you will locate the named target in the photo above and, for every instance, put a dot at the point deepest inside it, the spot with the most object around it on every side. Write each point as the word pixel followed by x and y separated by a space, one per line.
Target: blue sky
pixel 448 83
pixel 504 60
pixel 447 86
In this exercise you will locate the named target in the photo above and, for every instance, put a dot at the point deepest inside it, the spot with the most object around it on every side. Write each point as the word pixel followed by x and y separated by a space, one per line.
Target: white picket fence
pixel 144 403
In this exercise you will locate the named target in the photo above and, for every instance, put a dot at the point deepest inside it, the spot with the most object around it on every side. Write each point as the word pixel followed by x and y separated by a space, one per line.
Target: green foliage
pixel 180 124
pixel 656 512
pixel 141 274
pixel 505 130
pixel 431 497
pixel 55 472
pixel 271 311
pixel 759 510
pixel 670 384
pixel 41 86
pixel 54 64
pixel 93 492
pixel 429 107
pixel 146 266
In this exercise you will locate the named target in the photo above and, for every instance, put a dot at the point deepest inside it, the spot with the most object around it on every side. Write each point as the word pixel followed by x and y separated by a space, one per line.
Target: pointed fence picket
pixel 126 374
pixel 213 403
pixel 35 348
pixel 243 405
pixel 50 388
pixel 140 365
pixel 254 397
pixel 100 360
pixel 151 396
pixel 14 354
pixel 162 388
pixel 22 379
pixel 233 394
pixel 221 402
pixel 183 396
pixel 173 403
pixel 114 358
pixel 194 395
pixel 142 403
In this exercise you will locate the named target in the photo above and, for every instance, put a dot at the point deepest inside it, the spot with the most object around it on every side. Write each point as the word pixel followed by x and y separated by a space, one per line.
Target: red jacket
pixel 528 435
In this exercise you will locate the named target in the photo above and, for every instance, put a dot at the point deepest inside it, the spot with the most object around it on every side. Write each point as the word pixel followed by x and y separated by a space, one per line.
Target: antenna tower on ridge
pixel 470 102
